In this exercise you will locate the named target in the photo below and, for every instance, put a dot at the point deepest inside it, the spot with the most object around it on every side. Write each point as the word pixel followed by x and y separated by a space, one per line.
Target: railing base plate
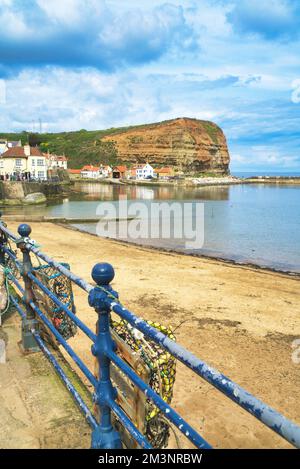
pixel 29 348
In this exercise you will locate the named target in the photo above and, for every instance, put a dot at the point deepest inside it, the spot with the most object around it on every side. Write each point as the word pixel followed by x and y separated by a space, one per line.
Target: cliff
pixel 189 145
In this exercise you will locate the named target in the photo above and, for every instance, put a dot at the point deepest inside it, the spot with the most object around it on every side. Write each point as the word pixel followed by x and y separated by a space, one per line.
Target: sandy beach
pixel 238 319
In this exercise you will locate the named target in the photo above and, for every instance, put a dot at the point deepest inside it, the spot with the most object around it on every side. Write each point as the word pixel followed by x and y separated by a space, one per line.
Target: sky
pixel 96 64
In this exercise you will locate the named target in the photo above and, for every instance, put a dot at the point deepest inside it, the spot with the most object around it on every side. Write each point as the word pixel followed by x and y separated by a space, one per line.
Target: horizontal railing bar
pixel 18 307
pixel 270 417
pixel 59 303
pixel 13 257
pixel 135 433
pixel 8 232
pixel 15 281
pixel 61 340
pixel 73 277
pixel 82 405
pixel 169 413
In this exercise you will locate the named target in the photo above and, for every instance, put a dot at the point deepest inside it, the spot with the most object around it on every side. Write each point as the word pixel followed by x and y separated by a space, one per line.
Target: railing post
pixel 3 241
pixel 104 436
pixel 28 342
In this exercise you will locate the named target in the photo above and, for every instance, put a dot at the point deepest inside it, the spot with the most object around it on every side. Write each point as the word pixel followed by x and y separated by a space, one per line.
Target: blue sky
pixel 95 64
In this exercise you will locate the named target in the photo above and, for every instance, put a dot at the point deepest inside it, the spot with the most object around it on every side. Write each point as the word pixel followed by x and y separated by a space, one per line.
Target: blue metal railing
pixel 105 300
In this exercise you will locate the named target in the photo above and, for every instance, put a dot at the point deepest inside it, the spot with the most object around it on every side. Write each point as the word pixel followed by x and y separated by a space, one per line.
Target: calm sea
pixel 258 224
pixel 249 174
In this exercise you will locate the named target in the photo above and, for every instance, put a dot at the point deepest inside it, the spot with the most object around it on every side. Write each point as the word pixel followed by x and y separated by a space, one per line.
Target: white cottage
pixel 144 171
pixel 90 172
pixel 105 171
pixel 56 161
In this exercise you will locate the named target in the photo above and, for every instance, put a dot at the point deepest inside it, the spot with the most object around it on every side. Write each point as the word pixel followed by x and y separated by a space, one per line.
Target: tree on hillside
pixel 34 140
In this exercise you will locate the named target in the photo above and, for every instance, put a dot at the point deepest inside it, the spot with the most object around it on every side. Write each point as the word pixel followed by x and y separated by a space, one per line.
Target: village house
pixel 23 163
pixel 105 171
pixel 141 171
pixel 119 172
pixel 5 145
pixel 74 173
pixel 144 171
pixel 164 173
pixel 55 161
pixel 131 173
pixel 90 172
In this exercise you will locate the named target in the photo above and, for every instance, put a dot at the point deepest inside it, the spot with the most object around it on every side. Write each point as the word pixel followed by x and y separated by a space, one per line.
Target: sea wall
pixel 23 192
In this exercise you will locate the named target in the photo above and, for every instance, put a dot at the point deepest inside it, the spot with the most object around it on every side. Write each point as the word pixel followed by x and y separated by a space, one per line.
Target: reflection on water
pixel 113 192
pixel 254 223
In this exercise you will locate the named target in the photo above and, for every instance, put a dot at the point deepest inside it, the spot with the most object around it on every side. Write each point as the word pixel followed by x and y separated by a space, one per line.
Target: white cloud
pixel 264 156
pixel 209 18
pixel 72 12
pixel 15 24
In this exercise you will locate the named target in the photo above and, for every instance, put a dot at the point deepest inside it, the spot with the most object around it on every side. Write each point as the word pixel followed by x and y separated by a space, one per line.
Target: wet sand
pixel 238 319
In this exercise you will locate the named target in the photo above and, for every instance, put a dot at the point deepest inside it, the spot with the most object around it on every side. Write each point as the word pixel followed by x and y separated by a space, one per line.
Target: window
pixel 18 162
pixel 41 174
pixel 40 162
pixel 33 162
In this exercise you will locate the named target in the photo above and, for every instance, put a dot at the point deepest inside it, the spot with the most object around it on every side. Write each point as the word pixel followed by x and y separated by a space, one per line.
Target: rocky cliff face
pixel 189 145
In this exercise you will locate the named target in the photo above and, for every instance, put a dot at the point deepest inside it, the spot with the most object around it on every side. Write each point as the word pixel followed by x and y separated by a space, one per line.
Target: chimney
pixel 27 150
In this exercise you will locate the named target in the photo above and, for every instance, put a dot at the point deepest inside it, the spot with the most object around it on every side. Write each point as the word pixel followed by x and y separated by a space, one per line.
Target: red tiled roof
pixel 163 170
pixel 13 152
pixel 121 169
pixel 74 171
pixel 34 151
pixel 18 152
pixel 89 168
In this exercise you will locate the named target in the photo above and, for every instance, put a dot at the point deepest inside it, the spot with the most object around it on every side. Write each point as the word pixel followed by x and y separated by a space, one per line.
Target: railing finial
pixel 24 230
pixel 103 273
